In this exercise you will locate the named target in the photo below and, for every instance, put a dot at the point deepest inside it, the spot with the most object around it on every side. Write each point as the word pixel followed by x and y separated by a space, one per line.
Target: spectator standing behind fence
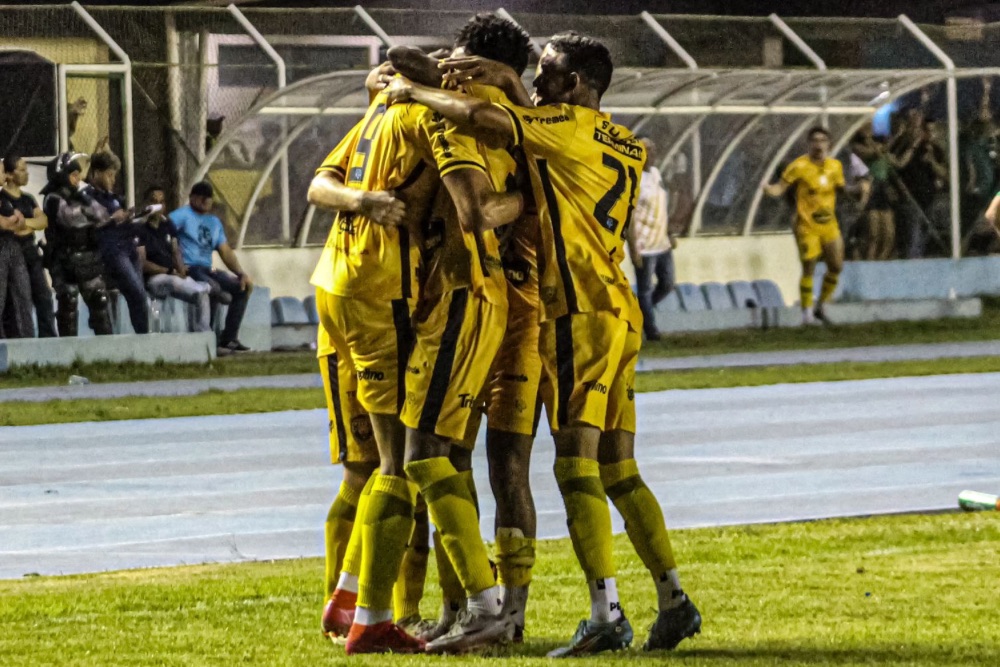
pixel 200 233
pixel 118 242
pixel 15 288
pixel 34 220
pixel 74 260
pixel 650 244
pixel 164 269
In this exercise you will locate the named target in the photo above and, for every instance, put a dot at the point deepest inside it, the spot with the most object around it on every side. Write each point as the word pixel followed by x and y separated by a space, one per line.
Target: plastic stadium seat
pixel 288 310
pixel 717 296
pixel 671 304
pixel 691 297
pixel 309 303
pixel 743 294
pixel 768 294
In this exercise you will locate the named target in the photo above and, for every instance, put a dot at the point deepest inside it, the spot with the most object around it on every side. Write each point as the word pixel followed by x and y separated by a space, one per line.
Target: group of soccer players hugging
pixel 473 270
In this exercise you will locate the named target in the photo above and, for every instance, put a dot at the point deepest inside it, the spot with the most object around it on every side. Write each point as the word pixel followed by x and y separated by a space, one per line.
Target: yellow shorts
pixel 376 336
pixel 812 236
pixel 455 346
pixel 351 437
pixel 589 363
pixel 512 400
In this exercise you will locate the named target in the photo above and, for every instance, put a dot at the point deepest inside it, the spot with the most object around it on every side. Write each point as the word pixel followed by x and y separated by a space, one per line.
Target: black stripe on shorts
pixel 338 409
pixel 404 345
pixel 565 373
pixel 441 376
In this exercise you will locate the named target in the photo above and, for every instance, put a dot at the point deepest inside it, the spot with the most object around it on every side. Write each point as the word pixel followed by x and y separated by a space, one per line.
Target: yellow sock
pixel 643 516
pixel 515 557
pixel 352 557
pixel 453 511
pixel 387 525
pixel 806 290
pixel 587 515
pixel 470 481
pixel 409 588
pixel 830 280
pixel 451 587
pixel 339 522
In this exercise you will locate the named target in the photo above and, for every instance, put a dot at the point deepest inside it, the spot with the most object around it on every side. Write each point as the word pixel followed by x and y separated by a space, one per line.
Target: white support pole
pixel 502 13
pixel 279 64
pixel 374 26
pixel 669 40
pixel 63 109
pixel 806 50
pixel 953 163
pixel 702 197
pixel 129 148
pixel 174 87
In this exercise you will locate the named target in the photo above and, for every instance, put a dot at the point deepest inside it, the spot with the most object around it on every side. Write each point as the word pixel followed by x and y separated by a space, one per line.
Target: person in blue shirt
pixel 200 233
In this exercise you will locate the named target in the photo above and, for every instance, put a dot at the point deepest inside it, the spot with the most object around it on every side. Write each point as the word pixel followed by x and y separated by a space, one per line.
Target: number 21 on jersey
pixel 623 180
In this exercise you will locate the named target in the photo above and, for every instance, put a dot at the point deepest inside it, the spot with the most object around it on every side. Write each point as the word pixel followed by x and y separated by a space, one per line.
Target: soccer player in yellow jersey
pixel 585 172
pixel 817 178
pixel 365 264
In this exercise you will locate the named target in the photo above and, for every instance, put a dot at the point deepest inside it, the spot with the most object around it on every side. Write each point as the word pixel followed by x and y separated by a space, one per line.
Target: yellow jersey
pixel 585 173
pixel 815 188
pixel 452 258
pixel 390 149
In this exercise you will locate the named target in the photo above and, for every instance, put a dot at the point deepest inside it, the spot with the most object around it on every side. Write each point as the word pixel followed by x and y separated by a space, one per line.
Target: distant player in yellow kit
pixel 817 178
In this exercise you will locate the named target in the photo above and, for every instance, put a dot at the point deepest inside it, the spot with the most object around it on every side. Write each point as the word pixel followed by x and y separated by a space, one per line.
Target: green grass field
pixel 216 402
pixel 902 590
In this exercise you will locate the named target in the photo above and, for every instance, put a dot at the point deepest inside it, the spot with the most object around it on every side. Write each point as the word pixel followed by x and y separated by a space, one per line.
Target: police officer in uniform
pixel 73 255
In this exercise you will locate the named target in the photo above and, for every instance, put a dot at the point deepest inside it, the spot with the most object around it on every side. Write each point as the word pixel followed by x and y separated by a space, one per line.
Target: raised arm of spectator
pixel 232 262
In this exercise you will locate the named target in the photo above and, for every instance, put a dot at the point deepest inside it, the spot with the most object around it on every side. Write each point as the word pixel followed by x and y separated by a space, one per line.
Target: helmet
pixel 59 169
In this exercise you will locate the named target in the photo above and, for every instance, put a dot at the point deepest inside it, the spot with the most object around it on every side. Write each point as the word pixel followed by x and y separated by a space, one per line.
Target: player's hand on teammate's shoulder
pixel 466 70
pixel 399 90
pixel 382 208
pixel 380 77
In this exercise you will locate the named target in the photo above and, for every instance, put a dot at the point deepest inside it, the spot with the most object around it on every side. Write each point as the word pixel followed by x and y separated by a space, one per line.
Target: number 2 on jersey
pixel 602 212
pixel 361 152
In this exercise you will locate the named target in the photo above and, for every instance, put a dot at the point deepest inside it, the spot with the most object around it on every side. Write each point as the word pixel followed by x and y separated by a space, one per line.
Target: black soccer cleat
pixel 673 626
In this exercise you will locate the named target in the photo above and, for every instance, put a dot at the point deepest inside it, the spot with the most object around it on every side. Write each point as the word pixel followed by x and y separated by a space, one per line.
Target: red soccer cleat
pixel 338 614
pixel 384 637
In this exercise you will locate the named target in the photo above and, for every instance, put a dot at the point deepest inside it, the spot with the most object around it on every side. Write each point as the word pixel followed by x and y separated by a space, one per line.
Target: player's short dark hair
pixel 586 56
pixel 103 161
pixel 491 36
pixel 154 188
pixel 819 129
pixel 10 162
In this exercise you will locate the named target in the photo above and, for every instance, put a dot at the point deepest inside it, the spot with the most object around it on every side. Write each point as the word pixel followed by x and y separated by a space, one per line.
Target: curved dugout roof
pixel 722 131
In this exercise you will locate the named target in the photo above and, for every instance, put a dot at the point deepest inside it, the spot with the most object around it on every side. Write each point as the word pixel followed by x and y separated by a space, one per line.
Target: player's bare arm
pixel 479 207
pixel 381 207
pixel 477 70
pixel 486 122
pixel 777 189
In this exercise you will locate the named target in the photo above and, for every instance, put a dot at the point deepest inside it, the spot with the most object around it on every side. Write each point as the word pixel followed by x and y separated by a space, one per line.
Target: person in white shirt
pixel 650 243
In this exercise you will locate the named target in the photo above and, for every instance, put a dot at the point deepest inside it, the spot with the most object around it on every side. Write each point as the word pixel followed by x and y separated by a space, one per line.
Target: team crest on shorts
pixel 361 428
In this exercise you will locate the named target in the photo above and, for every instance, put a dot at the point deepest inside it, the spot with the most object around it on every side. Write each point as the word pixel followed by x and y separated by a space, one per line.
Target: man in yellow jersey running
pixel 371 263
pixel 816 178
pixel 585 172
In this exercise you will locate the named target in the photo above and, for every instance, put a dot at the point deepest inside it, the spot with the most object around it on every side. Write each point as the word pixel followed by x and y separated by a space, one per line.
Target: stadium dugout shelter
pixel 727 129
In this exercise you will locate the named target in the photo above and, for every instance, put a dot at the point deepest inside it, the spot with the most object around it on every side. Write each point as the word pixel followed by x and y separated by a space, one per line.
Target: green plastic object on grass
pixel 973 500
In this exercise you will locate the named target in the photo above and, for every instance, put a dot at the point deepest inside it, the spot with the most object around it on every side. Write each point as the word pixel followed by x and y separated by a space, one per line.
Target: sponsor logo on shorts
pixel 630 392
pixel 517 270
pixel 599 387
pixel 608 280
pixel 370 375
pixel 520 405
pixel 413 370
pixel 466 400
pixel 548 294
pixel 512 377
pixel 361 428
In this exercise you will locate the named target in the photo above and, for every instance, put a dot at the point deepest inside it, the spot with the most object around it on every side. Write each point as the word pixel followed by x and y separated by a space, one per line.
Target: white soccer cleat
pixel 474 631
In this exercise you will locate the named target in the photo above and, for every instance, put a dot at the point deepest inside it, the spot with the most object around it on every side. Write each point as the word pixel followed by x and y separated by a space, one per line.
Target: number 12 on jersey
pixel 602 212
